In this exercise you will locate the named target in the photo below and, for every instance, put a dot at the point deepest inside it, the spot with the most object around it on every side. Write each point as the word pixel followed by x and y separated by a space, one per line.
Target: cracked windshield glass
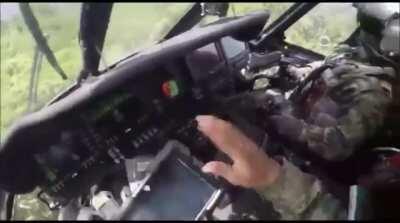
pixel 28 81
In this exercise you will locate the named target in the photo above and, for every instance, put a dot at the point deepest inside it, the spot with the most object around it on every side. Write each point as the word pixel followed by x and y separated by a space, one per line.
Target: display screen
pixel 176 192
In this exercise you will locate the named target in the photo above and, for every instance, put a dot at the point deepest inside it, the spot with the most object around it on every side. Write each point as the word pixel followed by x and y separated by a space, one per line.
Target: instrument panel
pixel 136 119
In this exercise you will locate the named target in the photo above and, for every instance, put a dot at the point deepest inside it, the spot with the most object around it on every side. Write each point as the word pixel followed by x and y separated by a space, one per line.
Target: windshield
pixel 132 26
pixel 276 8
pixel 320 30
pixel 18 50
pixel 242 8
pixel 136 26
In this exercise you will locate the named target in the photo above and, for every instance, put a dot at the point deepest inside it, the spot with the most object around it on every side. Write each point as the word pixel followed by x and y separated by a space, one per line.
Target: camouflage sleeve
pixel 297 195
pixel 363 93
pixel 364 119
pixel 361 121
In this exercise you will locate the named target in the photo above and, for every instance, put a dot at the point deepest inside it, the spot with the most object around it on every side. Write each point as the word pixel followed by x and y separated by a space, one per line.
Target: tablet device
pixel 175 188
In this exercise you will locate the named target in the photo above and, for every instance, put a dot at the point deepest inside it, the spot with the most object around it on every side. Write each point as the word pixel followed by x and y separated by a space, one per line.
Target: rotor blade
pixel 37 34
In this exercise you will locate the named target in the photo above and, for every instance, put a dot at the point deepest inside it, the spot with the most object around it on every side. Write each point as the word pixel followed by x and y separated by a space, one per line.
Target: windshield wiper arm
pixel 93 27
pixel 41 41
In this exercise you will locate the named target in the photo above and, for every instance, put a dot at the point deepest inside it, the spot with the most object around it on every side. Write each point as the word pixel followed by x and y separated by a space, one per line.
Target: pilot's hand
pixel 251 167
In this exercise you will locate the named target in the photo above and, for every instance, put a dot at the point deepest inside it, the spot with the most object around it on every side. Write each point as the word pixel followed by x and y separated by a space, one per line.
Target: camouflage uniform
pixel 341 109
pixel 297 195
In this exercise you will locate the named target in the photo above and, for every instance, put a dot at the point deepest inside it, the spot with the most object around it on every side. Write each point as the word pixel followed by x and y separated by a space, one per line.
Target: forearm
pixel 297 195
pixel 344 135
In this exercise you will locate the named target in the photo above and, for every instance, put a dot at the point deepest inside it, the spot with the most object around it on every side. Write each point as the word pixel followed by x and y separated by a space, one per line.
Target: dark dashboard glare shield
pixel 203 60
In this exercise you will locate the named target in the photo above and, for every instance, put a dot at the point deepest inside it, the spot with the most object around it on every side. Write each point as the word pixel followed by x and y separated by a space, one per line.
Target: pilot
pixel 293 193
pixel 339 111
pixel 346 104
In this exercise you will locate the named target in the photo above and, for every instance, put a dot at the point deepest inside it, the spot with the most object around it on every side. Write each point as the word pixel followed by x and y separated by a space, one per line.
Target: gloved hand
pixel 287 126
